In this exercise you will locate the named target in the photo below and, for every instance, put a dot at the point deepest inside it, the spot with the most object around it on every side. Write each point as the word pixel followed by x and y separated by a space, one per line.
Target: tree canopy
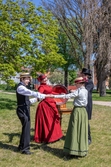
pixel 65 49
pixel 69 14
pixel 28 38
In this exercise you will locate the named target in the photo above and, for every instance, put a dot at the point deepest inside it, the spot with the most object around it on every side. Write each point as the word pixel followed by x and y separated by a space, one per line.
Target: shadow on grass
pixel 11 136
pixel 6 103
pixel 8 146
pixel 63 138
pixel 32 129
pixel 45 147
pixel 107 92
pixel 55 152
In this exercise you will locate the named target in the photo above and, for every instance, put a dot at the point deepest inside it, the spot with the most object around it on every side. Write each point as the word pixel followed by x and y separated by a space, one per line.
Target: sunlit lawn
pixel 51 155
pixel 96 96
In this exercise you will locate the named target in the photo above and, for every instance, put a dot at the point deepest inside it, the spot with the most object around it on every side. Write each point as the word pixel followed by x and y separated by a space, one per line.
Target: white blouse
pixel 27 92
pixel 80 96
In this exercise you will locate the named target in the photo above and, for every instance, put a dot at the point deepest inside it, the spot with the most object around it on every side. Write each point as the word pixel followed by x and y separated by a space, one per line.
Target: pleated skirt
pixel 76 140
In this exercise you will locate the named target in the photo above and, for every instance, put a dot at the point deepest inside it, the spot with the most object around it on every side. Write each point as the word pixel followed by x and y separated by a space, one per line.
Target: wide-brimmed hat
pixel 86 71
pixel 24 75
pixel 80 80
pixel 41 77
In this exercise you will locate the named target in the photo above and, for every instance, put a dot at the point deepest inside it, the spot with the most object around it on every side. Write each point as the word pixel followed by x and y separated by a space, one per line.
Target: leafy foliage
pixel 27 38
pixel 72 77
pixel 57 77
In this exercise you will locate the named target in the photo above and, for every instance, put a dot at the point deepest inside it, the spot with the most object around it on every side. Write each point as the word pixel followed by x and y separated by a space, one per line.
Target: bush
pixel 3 87
pixel 7 87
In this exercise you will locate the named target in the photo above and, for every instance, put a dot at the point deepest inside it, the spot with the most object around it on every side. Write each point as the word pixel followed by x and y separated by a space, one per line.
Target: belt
pixel 79 106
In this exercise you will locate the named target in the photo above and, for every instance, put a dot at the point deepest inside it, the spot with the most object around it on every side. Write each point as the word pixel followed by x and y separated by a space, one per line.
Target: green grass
pixel 96 96
pixel 51 155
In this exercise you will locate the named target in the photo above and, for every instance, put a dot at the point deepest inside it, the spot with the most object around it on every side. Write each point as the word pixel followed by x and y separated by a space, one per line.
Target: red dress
pixel 47 120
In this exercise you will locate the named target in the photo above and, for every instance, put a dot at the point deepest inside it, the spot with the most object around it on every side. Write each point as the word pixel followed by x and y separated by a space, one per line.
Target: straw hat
pixel 24 75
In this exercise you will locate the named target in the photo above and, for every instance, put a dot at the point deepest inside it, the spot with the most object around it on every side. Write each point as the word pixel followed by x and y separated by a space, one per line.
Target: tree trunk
pixel 97 89
pixel 102 88
pixel 66 78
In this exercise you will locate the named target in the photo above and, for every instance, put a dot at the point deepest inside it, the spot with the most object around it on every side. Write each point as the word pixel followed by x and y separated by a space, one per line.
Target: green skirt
pixel 76 141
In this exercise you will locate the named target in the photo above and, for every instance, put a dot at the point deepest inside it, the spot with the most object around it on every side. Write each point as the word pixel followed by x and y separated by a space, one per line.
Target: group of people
pixel 47 118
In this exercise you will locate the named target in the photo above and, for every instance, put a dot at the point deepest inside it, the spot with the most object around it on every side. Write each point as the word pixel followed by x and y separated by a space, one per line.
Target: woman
pixel 47 119
pixel 76 141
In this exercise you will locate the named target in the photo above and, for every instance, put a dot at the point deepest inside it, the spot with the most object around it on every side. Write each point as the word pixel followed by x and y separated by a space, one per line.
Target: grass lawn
pixel 51 155
pixel 96 96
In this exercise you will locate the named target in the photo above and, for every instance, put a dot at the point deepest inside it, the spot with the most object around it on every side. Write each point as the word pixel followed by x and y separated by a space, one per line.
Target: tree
pixel 56 77
pixel 27 38
pixel 70 21
pixel 69 15
pixel 97 37
pixel 65 50
pixel 72 76
pixel 92 22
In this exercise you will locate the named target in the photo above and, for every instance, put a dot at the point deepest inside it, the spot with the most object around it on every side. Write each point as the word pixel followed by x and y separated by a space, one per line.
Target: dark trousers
pixel 89 132
pixel 24 116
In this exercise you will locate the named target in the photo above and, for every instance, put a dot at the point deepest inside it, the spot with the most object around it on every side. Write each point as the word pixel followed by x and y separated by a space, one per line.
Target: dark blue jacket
pixel 89 86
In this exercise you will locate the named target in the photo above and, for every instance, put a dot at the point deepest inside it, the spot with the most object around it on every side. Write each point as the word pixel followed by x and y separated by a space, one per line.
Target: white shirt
pixel 80 96
pixel 27 92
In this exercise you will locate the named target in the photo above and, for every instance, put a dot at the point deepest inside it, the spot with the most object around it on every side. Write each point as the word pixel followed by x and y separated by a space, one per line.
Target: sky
pixel 36 2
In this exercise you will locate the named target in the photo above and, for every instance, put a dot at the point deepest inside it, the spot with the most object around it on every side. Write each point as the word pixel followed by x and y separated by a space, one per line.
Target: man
pixel 86 73
pixel 23 110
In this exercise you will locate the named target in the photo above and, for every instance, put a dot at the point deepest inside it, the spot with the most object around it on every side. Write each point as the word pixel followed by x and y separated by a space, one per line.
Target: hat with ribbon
pixel 41 77
pixel 86 71
pixel 24 75
pixel 80 80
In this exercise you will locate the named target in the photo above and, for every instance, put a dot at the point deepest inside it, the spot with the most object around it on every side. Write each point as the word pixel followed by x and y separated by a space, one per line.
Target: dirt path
pixel 103 103
pixel 1 91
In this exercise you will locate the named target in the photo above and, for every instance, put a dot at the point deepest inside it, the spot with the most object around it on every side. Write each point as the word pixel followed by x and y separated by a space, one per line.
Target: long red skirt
pixel 47 122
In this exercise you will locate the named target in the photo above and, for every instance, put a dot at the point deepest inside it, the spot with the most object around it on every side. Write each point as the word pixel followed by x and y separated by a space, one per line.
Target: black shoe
pixel 89 142
pixel 27 152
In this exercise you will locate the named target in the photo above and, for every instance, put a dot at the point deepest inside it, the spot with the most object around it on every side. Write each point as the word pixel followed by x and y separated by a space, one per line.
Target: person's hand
pixel 38 99
pixel 62 93
pixel 50 95
pixel 71 91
